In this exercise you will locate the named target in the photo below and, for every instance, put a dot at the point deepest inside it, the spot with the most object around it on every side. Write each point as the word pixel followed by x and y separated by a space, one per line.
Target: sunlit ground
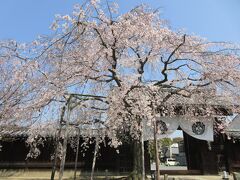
pixel 22 174
pixel 163 167
pixel 68 175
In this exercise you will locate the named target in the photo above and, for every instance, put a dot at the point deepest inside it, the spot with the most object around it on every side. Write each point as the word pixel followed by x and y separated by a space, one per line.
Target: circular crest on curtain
pixel 198 128
pixel 161 127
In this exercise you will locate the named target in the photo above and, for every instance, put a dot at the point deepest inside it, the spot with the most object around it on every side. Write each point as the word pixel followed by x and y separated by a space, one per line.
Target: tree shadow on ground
pixel 9 173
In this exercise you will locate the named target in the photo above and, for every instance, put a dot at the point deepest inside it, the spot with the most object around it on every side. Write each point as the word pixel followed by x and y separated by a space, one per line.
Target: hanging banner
pixel 200 128
pixel 166 125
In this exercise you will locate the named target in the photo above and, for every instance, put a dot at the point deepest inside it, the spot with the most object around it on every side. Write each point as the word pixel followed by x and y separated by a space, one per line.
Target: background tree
pixel 177 139
pixel 166 142
pixel 17 88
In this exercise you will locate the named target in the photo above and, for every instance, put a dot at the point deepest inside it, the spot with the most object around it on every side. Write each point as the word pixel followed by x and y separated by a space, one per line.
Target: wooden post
pixel 142 153
pixel 96 148
pixel 94 157
pixel 57 143
pixel 55 158
pixel 165 177
pixel 106 174
pixel 64 151
pixel 157 176
pixel 76 158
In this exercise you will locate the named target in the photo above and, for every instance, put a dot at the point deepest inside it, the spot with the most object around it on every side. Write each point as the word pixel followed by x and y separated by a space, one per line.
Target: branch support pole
pixel 142 152
pixel 77 151
pixel 64 151
pixel 157 162
pixel 94 157
pixel 95 150
pixel 57 141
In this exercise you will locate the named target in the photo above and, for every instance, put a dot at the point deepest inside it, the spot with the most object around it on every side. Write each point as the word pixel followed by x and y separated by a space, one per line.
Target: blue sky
pixel 217 20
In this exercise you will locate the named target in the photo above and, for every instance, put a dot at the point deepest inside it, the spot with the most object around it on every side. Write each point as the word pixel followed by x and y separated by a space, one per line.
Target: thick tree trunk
pixel 137 161
pixel 156 153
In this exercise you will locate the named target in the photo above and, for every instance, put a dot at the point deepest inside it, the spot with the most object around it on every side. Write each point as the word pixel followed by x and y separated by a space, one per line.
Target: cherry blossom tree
pixel 141 67
pixel 16 85
pixel 131 68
